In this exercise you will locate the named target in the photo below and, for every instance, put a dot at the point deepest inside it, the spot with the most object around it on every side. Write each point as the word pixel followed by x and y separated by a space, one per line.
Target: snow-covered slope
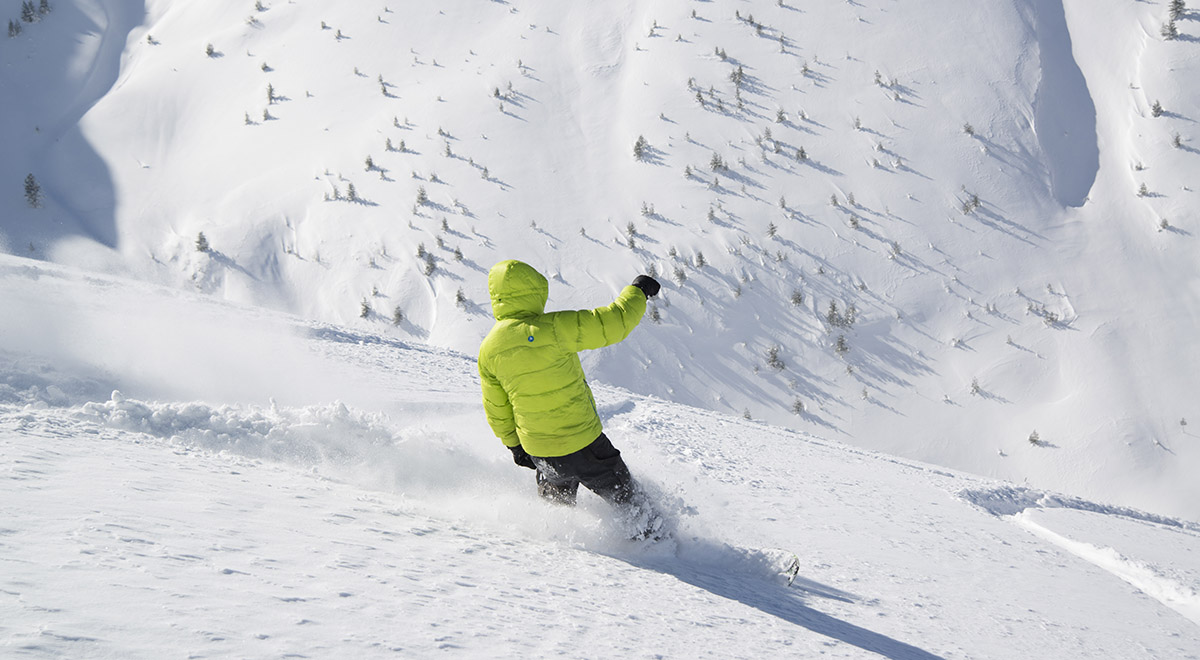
pixel 214 509
pixel 1007 276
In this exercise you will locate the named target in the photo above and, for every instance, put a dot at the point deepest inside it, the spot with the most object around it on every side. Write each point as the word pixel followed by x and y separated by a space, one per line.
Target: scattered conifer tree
pixel 1169 31
pixel 14 28
pixel 1156 110
pixel 639 147
pixel 210 50
pixel 364 309
pixel 33 192
pixel 840 346
pixel 773 359
pixel 397 316
pixel 202 243
pixel 1034 438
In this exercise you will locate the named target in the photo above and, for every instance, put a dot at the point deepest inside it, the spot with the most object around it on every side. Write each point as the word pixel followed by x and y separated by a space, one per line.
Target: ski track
pixel 1143 576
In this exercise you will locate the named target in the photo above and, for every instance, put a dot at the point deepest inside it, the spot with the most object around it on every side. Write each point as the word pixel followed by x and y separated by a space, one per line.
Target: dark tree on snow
pixel 1169 31
pixel 1177 9
pixel 202 243
pixel 14 28
pixel 33 192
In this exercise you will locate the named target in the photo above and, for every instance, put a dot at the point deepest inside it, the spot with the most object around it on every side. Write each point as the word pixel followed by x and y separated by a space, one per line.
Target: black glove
pixel 647 284
pixel 522 458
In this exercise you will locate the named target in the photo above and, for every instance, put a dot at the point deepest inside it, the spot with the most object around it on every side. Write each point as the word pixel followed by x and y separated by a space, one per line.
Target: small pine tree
pixel 1156 110
pixel 460 299
pixel 44 7
pixel 968 129
pixel 210 50
pixel 1169 31
pixel 639 148
pixel 771 230
pixel 797 407
pixel 655 315
pixel 773 359
pixel 29 11
pixel 797 297
pixel 430 264
pixel 351 193
pixel 716 162
pixel 1143 191
pixel 1034 438
pixel 801 154
pixel 397 316
pixel 1177 141
pixel 833 317
pixel 840 346
pixel 680 275
pixel 1177 9
pixel 364 309
pixel 202 243
pixel 14 28
pixel 422 196
pixel 369 163
pixel 33 192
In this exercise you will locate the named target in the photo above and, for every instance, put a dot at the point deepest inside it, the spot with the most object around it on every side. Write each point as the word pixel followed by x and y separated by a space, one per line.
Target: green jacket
pixel 534 392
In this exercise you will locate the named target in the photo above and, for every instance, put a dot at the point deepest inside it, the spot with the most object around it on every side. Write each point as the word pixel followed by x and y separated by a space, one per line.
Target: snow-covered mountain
pixel 151 506
pixel 970 182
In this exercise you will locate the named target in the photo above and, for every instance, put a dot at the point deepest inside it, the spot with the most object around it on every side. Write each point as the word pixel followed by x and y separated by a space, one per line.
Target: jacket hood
pixel 516 289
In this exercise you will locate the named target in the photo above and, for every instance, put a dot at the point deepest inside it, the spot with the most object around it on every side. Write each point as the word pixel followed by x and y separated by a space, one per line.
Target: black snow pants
pixel 598 467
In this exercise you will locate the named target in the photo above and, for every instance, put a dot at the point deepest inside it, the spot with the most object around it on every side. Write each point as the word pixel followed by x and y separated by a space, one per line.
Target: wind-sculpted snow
pixel 1013 500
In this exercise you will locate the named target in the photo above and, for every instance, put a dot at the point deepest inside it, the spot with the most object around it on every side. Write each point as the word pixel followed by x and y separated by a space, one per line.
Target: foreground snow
pixel 189 512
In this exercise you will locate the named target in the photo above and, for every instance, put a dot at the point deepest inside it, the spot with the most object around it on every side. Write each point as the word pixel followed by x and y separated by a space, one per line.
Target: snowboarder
pixel 537 400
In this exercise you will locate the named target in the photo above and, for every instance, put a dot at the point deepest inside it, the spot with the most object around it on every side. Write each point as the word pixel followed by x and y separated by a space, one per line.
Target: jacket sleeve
pixel 603 326
pixel 498 409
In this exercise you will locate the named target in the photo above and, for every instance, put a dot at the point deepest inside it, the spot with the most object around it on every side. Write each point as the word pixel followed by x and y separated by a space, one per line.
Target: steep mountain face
pixel 906 227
